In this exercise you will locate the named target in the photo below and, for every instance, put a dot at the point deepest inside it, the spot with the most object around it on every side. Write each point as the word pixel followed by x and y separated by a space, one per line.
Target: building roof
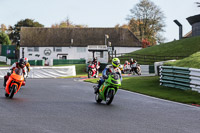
pixel 82 37
pixel 189 34
pixel 193 19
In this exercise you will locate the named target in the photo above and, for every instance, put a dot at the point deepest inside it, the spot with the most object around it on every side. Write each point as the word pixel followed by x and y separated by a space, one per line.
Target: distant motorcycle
pixel 14 83
pixel 93 70
pixel 135 68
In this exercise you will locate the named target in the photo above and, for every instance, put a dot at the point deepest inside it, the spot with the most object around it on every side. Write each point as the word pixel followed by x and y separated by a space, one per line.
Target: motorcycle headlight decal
pixel 115 82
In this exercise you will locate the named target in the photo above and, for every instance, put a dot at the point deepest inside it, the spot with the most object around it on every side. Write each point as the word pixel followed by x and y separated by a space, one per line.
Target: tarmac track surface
pixel 68 106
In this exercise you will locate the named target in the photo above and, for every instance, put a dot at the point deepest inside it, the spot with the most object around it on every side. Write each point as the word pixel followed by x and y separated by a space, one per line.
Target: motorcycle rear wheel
pixel 98 100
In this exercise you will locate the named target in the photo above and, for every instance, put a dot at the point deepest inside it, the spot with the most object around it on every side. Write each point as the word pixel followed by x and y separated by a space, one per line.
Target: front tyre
pixel 6 95
pixel 98 100
pixel 89 73
pixel 109 97
pixel 12 91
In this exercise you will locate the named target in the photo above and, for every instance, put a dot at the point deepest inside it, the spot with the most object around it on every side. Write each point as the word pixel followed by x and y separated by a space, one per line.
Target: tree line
pixel 146 21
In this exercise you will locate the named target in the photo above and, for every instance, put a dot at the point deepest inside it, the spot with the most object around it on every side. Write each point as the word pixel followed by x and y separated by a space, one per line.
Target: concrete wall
pixel 72 53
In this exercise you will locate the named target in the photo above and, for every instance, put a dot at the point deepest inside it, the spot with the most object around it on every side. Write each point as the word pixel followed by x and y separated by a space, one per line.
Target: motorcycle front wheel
pixel 89 73
pixel 12 91
pixel 109 97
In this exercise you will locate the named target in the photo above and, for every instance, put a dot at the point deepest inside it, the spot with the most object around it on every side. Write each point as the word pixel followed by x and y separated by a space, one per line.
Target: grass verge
pixel 192 61
pixel 150 86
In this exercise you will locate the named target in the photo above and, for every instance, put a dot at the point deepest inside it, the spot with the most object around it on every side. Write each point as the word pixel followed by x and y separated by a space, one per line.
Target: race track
pixel 68 106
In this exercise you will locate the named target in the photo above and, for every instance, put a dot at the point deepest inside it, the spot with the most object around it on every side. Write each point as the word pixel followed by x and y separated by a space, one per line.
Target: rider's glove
pixel 105 76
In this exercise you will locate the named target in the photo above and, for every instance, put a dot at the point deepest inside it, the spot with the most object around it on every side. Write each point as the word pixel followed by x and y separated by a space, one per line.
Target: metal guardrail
pixel 180 77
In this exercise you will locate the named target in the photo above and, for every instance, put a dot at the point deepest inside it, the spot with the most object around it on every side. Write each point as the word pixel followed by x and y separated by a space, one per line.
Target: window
pixel 30 49
pixel 33 49
pixel 81 49
pixel 36 49
pixel 57 49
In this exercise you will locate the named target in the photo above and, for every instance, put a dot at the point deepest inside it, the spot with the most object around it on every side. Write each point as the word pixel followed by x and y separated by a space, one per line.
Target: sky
pixel 95 13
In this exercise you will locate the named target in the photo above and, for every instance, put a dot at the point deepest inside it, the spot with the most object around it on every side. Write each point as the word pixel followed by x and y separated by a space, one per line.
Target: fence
pixel 180 77
pixel 31 62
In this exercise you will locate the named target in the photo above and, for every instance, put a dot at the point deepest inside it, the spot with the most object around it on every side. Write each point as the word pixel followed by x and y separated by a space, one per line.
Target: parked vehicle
pixel 108 89
pixel 14 83
pixel 93 70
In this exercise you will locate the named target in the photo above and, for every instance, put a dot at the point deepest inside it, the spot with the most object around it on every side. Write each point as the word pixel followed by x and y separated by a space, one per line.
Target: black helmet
pixel 21 62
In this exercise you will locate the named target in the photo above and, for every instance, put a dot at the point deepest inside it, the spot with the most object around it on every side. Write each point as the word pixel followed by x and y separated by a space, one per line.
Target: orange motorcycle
pixel 14 82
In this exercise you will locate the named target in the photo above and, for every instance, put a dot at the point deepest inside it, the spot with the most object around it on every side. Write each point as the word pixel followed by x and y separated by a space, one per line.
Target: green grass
pixel 150 86
pixel 3 64
pixel 183 47
pixel 192 61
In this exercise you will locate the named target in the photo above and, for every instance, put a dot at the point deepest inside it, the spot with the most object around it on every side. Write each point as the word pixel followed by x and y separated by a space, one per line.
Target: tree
pixel 146 21
pixel 67 24
pixel 3 28
pixel 15 30
pixel 4 39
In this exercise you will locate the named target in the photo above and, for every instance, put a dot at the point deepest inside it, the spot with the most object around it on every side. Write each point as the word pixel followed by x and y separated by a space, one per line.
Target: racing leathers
pixel 15 65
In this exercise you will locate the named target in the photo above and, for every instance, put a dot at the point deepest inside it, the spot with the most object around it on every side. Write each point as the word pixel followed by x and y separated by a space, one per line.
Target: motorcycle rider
pixel 27 66
pixel 94 61
pixel 114 68
pixel 133 64
pixel 126 66
pixel 20 65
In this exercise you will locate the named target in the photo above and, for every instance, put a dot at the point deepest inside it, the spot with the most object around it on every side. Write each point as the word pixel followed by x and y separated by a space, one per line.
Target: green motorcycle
pixel 109 88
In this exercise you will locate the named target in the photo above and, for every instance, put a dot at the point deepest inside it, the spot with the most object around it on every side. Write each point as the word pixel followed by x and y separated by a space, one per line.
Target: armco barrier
pixel 45 72
pixel 180 77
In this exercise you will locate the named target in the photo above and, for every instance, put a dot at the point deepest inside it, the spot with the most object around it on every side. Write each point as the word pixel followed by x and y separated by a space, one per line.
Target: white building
pixel 75 43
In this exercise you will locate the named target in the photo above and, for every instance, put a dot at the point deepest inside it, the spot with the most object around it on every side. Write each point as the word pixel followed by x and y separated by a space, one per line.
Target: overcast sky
pixel 94 13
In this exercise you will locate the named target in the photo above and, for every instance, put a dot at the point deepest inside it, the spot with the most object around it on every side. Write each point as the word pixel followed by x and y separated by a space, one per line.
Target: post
pixel 180 28
pixel 106 37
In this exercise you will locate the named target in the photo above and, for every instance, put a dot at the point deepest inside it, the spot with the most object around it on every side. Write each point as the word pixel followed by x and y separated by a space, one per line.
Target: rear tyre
pixel 97 74
pixel 12 91
pixel 109 97
pixel 98 100
pixel 138 71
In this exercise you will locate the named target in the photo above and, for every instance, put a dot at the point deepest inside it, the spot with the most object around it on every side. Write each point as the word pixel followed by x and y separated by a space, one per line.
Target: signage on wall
pixel 47 52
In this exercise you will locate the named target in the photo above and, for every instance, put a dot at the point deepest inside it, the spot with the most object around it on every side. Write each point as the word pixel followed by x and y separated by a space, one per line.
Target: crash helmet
pixel 21 62
pixel 115 62
pixel 26 60
pixel 131 60
pixel 126 62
